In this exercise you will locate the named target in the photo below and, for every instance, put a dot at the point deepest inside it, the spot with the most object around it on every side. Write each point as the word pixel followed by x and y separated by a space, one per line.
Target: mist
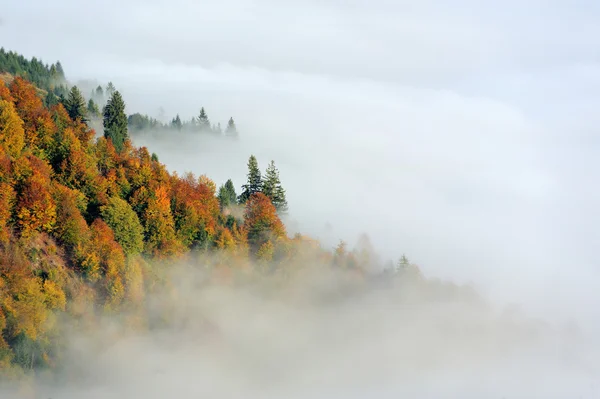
pixel 462 135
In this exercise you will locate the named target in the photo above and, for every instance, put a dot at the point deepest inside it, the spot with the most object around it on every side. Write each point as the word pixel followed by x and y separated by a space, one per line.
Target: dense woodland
pixel 87 222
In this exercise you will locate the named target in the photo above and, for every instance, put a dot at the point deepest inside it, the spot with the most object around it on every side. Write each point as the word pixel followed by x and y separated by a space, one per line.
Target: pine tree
pixel 115 121
pixel 176 122
pixel 203 121
pixel 254 184
pixel 93 109
pixel 227 195
pixel 231 128
pixel 75 105
pixel 59 71
pixel 99 95
pixel 110 89
pixel 271 187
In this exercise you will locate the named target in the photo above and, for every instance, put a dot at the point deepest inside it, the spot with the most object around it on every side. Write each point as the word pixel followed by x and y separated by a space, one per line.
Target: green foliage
pixel 42 75
pixel 271 187
pixel 227 195
pixel 138 122
pixel 176 122
pixel 203 121
pixel 93 109
pixel 115 121
pixel 75 105
pixel 122 219
pixel 254 184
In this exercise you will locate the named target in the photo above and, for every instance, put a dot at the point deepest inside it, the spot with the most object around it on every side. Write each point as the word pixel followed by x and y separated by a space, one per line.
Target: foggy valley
pixel 460 134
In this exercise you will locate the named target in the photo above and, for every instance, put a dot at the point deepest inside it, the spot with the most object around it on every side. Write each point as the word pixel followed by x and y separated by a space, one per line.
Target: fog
pixel 459 133
pixel 302 338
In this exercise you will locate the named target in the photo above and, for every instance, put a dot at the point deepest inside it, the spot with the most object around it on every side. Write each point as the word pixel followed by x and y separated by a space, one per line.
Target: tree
pixel 12 135
pixel 271 187
pixel 227 195
pixel 93 109
pixel 75 105
pixel 121 218
pixel 99 94
pixel 254 184
pixel 115 121
pixel 110 89
pixel 176 122
pixel 231 128
pixel 261 221
pixel 203 121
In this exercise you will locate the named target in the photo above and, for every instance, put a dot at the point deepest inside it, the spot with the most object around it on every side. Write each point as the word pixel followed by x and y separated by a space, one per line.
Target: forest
pixel 87 221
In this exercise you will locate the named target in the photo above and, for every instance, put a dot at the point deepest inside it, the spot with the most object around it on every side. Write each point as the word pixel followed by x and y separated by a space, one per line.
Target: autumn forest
pixel 88 220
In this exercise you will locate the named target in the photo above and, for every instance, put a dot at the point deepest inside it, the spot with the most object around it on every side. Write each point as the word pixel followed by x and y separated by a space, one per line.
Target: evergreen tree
pixel 115 121
pixel 203 121
pixel 271 187
pixel 59 71
pixel 75 105
pixel 93 109
pixel 98 95
pixel 231 128
pixel 176 122
pixel 254 184
pixel 110 89
pixel 227 195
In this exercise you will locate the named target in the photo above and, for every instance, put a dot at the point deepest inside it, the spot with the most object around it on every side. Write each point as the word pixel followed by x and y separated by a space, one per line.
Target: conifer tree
pixel 271 187
pixel 110 89
pixel 254 184
pixel 203 121
pixel 115 121
pixel 176 122
pixel 231 128
pixel 75 105
pixel 227 195
pixel 93 109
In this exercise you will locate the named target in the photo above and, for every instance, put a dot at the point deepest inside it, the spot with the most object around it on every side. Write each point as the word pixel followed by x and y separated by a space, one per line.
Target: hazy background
pixel 461 133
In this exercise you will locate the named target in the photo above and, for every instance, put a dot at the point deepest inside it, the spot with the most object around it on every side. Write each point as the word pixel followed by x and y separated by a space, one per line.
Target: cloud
pixel 462 134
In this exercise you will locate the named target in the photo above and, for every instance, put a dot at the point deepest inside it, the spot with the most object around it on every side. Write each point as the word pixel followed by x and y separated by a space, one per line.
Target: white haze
pixel 460 133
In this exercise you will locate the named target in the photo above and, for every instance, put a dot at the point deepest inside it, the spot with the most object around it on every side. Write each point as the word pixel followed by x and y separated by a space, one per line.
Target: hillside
pixel 87 225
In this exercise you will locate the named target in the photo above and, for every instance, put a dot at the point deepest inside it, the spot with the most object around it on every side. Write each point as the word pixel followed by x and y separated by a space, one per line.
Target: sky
pixel 460 133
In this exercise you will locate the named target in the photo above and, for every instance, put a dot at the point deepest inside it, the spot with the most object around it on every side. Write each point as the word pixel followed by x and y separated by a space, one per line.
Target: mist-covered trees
pixel 254 182
pixel 227 195
pixel 44 76
pixel 115 121
pixel 75 105
pixel 203 121
pixel 231 129
pixel 92 109
pixel 271 187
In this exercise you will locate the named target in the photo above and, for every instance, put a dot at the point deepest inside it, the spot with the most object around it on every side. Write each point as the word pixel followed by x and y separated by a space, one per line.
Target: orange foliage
pixel 30 108
pixel 261 221
pixel 36 210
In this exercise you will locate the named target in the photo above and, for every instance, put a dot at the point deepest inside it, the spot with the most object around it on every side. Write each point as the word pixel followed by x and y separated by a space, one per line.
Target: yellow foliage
pixel 12 135
pixel 55 296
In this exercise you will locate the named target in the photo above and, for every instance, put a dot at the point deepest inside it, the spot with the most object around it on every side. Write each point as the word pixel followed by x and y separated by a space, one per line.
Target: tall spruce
pixel 203 121
pixel 92 109
pixel 271 187
pixel 231 129
pixel 75 105
pixel 227 195
pixel 115 121
pixel 254 184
